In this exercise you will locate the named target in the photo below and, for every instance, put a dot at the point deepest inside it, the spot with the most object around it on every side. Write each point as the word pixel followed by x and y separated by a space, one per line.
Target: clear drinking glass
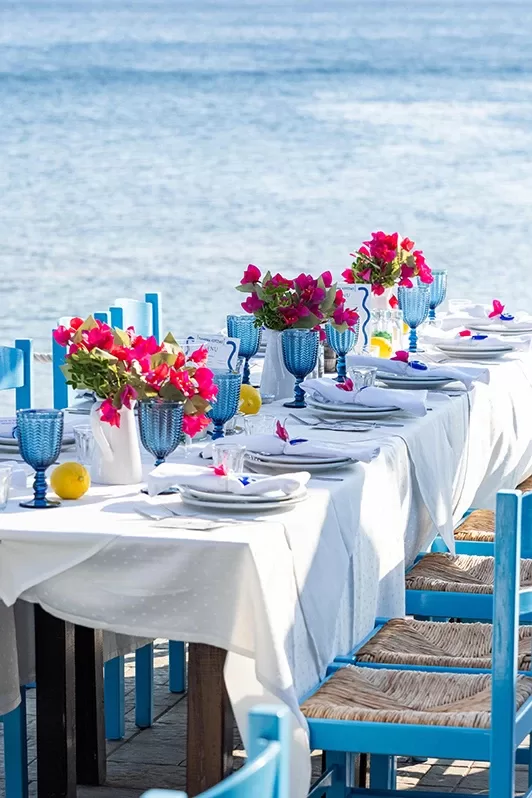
pixel 5 483
pixel 363 377
pixel 230 455
pixel 243 328
pixel 341 343
pixel 225 405
pixel 414 302
pixel 397 330
pixel 84 440
pixel 261 424
pixel 40 434
pixel 438 291
pixel 300 355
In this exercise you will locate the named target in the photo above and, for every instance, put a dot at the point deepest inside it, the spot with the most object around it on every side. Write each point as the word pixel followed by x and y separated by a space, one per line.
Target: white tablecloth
pixel 288 593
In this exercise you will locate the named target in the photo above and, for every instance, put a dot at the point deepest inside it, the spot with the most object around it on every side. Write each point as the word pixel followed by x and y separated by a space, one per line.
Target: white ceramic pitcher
pixel 276 381
pixel 116 459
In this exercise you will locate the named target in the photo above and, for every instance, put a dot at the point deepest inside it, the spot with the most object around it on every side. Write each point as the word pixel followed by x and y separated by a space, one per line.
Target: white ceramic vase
pixel 116 459
pixel 276 381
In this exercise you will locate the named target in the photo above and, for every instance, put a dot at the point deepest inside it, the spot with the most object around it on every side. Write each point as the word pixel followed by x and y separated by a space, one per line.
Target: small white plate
pixel 476 353
pixel 238 498
pixel 275 468
pixel 352 411
pixel 294 459
pixel 415 383
pixel 247 507
pixel 499 329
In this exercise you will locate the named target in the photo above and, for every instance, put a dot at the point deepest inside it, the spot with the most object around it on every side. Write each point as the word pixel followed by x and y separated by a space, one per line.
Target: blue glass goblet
pixel 341 343
pixel 438 290
pixel 40 434
pixel 243 327
pixel 414 302
pixel 300 355
pixel 160 426
pixel 225 405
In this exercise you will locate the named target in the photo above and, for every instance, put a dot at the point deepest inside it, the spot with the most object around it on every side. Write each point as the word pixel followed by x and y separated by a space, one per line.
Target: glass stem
pixel 432 316
pixel 340 368
pixel 413 340
pixel 160 461
pixel 299 393
pixel 245 374
pixel 218 431
pixel 39 487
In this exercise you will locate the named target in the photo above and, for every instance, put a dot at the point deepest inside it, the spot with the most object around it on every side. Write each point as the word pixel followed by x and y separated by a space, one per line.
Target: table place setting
pixel 486 318
pixel 407 370
pixel 366 401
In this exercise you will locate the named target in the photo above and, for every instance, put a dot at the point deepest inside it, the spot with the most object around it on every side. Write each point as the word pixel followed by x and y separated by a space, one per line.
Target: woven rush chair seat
pixel 458 573
pixel 525 485
pixel 403 641
pixel 479 526
pixel 412 697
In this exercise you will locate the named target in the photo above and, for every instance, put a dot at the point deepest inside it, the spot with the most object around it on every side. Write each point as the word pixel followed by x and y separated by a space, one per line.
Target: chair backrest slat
pixel 132 313
pixel 16 370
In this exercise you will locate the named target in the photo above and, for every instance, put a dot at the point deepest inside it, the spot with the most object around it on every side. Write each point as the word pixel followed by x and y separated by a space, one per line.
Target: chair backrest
pixel 266 773
pixel 16 371
pixel 512 518
pixel 145 317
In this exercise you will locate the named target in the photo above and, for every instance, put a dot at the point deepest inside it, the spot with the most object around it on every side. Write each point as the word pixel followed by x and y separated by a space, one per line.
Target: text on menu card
pixel 223 351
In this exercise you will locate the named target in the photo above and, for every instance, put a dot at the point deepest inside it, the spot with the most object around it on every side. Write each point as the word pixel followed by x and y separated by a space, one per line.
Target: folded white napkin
pixel 328 390
pixel 465 374
pixel 169 475
pixel 520 343
pixel 8 424
pixel 300 447
pixel 480 314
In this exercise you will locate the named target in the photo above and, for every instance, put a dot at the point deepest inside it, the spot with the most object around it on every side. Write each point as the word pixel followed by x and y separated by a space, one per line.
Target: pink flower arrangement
pixel 121 367
pixel 304 303
pixel 386 260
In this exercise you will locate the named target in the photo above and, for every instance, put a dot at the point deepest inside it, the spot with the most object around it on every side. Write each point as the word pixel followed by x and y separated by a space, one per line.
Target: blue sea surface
pixel 165 144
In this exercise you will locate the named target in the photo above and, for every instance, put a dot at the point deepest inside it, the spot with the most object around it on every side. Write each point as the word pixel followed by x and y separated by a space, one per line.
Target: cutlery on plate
pixel 329 479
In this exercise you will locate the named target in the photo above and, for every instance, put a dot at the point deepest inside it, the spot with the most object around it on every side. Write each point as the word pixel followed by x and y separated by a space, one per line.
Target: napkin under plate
pixel 328 390
pixel 169 475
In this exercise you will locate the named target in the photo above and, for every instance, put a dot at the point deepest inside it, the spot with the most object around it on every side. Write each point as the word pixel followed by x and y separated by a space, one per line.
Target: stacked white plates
pixel 423 382
pixel 211 500
pixel 477 351
pixel 258 461
pixel 328 409
pixel 500 329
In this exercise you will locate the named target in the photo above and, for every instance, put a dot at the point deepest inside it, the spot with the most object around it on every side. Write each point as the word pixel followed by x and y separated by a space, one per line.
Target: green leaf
pixel 120 337
pixel 247 288
pixel 328 303
pixel 171 393
pixel 170 340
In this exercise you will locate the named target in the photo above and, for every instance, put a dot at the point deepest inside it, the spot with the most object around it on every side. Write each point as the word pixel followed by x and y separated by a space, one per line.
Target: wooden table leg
pixel 56 740
pixel 90 721
pixel 210 719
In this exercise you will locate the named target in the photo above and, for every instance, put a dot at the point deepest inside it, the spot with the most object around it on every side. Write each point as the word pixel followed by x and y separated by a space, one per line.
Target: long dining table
pixel 267 602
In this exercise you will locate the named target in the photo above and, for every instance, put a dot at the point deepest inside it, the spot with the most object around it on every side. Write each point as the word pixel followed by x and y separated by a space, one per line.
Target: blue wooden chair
pixel 389 711
pixel 16 369
pixel 266 773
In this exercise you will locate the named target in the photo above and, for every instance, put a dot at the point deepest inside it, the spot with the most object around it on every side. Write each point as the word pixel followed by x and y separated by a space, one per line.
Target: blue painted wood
pixel 101 315
pixel 114 694
pixel 155 300
pixel 265 775
pixel 382 772
pixel 24 392
pixel 59 385
pixel 144 686
pixel 16 750
pixel 176 667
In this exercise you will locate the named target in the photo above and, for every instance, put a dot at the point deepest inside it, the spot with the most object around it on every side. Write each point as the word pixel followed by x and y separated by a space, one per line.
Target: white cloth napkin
pixel 272 444
pixel 168 475
pixel 327 389
pixel 465 374
pixel 521 343
pixel 480 314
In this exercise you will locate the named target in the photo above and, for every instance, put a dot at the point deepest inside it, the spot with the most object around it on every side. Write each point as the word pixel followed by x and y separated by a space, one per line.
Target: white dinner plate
pixel 499 329
pixel 476 353
pixel 294 459
pixel 414 383
pixel 237 498
pixel 248 507
pixel 275 468
pixel 352 411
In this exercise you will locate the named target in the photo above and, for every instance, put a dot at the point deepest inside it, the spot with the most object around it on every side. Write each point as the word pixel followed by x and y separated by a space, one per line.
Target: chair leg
pixel 144 686
pixel 338 760
pixel 16 750
pixel 530 761
pixel 113 690
pixel 176 666
pixel 382 772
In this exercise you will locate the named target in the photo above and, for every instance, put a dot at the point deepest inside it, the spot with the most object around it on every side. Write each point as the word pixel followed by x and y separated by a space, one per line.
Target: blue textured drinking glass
pixel 414 302
pixel 300 355
pixel 40 434
pixel 225 405
pixel 243 327
pixel 160 426
pixel 438 290
pixel 341 343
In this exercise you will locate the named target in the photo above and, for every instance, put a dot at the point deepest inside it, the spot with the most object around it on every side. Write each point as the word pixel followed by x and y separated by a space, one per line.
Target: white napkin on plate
pixel 468 342
pixel 465 374
pixel 328 390
pixel 169 475
pixel 300 447
pixel 479 314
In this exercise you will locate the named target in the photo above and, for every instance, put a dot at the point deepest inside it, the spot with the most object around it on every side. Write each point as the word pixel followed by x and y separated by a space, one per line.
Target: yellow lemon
pixel 383 345
pixel 250 401
pixel 70 480
pixel 406 329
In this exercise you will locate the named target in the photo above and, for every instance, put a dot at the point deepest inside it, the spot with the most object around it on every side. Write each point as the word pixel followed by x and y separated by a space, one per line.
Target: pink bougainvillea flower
pixel 406 282
pixel 61 335
pixel 377 289
pixel 182 381
pixel 365 275
pixel 327 279
pixel 128 395
pixel 401 355
pixel 73 348
pixel 206 387
pixel 109 413
pixel 498 308
pixel 345 316
pixel 362 251
pixel 251 275
pixel 75 323
pixel 252 304
pixel 278 280
pixel 348 276
pixel 220 470
pixel 321 332
pixel 407 244
pixel 425 274
pixel 339 297
pixel 393 302
pixel 198 356
pixel 464 333
pixel 192 425
pixel 346 385
pixel 281 431
pixel 407 271
pixel 100 337
pixel 158 375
